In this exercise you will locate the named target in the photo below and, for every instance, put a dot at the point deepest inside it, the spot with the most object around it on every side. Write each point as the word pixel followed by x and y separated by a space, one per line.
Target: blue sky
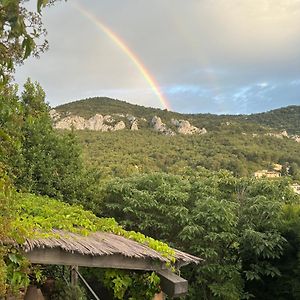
pixel 217 56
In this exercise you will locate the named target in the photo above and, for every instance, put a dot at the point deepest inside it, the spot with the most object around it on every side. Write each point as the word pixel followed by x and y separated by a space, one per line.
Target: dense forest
pixel 233 142
pixel 195 193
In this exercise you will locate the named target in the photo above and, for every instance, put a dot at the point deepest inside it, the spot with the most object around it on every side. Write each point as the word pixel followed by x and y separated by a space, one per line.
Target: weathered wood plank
pixel 172 284
pixel 56 256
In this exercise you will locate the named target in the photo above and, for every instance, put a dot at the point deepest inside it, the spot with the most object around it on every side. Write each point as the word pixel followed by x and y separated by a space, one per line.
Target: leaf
pixel 40 4
pixel 13 258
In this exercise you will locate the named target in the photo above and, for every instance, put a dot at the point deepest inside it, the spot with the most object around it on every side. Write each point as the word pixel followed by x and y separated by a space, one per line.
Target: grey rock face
pixel 119 126
pixel 108 119
pixel 70 122
pixel 184 127
pixel 280 135
pixel 119 115
pixel 175 122
pixel 95 123
pixel 161 127
pixel 130 118
pixel 105 123
pixel 134 125
pixel 296 138
pixel 284 134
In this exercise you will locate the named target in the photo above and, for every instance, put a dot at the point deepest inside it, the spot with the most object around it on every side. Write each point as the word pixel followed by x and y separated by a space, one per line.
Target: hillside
pixel 88 107
pixel 241 144
pixel 287 118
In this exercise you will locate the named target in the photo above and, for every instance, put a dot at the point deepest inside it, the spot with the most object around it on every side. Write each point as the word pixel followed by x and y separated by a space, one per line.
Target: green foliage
pixel 43 162
pixel 39 215
pixel 37 158
pixel 11 118
pixel 36 216
pixel 280 119
pixel 132 286
pixel 7 215
pixel 17 271
pixel 88 107
pixel 3 272
pixel 20 30
pixel 286 118
pixel 150 203
pixel 123 153
pixel 234 224
pixel 65 291
pixel 285 286
pixel 236 143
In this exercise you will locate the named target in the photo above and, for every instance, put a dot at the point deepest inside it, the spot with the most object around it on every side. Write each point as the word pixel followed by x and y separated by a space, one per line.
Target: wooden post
pixel 74 275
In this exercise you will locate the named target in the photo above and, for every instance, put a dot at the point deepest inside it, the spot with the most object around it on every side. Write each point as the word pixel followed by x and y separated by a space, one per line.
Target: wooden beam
pixel 172 284
pixel 74 275
pixel 57 256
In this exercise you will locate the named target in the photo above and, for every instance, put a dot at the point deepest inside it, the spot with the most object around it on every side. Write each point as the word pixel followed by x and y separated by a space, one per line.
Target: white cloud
pixel 208 50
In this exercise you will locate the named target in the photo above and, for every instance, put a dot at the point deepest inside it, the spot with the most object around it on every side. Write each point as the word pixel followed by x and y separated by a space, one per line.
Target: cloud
pixel 208 55
pixel 295 82
pixel 183 89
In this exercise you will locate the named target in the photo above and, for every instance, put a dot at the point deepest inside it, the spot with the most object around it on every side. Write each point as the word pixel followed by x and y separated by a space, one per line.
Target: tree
pixel 45 162
pixel 20 33
pixel 285 169
pixel 233 224
pixel 11 120
pixel 294 171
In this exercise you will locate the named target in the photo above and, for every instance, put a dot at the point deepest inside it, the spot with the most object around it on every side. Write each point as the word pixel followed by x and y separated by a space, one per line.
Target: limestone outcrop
pixel 133 121
pixel 296 138
pixel 161 127
pixel 70 122
pixel 108 119
pixel 184 127
pixel 95 123
pixel 114 122
pixel 118 126
pixel 279 135
pixel 134 125
pixel 284 134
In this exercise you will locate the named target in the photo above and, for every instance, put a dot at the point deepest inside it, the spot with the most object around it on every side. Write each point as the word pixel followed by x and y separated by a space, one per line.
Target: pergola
pixel 107 250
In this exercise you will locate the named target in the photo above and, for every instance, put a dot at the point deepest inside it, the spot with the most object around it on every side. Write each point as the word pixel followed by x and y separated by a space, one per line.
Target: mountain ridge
pixel 234 143
pixel 285 118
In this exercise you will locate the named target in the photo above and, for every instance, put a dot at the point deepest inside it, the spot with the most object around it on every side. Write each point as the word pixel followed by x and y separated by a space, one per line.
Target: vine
pixel 36 216
pixel 132 285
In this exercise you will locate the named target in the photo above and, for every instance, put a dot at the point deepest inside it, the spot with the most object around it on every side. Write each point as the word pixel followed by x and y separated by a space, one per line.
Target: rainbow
pixel 130 54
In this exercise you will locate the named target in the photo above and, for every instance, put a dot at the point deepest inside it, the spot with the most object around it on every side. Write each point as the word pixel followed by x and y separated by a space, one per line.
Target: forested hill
pixel 286 118
pixel 241 144
pixel 88 107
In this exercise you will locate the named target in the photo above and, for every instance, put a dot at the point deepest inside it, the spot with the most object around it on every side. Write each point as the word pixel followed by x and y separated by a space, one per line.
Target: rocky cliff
pixel 185 127
pixel 116 122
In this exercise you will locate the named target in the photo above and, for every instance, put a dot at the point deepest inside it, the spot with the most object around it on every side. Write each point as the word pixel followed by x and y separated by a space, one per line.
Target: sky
pixel 191 56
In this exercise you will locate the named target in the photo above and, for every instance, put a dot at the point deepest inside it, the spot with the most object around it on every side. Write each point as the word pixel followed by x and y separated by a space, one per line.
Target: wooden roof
pixel 103 244
pixel 107 250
